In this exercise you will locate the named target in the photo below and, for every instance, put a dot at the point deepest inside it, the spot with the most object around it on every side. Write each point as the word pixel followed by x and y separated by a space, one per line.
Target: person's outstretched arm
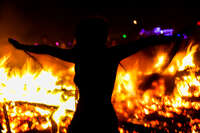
pixel 124 50
pixel 64 54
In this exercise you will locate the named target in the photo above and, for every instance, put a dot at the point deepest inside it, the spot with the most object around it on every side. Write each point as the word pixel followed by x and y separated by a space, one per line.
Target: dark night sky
pixel 28 20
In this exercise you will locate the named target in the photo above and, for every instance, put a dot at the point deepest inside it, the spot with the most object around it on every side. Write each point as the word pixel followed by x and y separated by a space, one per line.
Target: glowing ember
pixel 167 100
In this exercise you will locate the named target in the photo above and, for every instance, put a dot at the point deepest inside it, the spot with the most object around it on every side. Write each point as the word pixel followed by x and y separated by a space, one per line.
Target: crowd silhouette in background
pixel 95 72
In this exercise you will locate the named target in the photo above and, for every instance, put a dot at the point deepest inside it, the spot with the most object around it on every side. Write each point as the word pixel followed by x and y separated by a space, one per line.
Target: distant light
pixel 168 32
pixel 198 23
pixel 36 44
pixel 57 43
pixel 141 32
pixel 157 30
pixel 185 36
pixel 124 36
pixel 135 22
pixel 178 35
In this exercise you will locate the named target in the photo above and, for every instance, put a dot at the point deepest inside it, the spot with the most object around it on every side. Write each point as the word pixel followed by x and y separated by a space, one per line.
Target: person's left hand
pixel 15 43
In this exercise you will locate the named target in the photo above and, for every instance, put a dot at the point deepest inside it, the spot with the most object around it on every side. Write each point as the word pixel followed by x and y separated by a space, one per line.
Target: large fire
pixel 42 97
pixel 36 98
pixel 164 100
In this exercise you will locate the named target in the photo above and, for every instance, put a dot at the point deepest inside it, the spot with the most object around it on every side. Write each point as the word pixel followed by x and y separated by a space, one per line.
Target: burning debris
pixel 154 97
pixel 157 100
pixel 34 99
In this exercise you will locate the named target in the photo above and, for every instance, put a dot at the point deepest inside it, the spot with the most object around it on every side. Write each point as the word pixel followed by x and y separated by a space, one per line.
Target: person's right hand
pixel 15 43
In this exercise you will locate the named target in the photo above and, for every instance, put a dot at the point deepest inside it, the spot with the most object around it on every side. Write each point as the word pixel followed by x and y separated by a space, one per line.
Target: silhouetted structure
pixel 95 73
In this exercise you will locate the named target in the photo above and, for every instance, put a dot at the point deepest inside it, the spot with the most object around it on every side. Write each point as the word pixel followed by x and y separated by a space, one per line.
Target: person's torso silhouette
pixel 95 75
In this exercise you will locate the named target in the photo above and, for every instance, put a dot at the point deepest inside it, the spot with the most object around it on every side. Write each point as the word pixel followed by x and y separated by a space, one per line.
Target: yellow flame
pixel 38 87
pixel 182 70
pixel 188 59
pixel 160 61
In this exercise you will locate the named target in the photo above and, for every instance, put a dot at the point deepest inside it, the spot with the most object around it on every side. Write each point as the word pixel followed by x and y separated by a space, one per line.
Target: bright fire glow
pixel 167 99
pixel 44 99
pixel 35 99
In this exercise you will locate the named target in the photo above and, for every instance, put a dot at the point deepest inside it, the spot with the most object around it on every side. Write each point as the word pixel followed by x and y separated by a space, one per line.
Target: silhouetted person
pixel 95 73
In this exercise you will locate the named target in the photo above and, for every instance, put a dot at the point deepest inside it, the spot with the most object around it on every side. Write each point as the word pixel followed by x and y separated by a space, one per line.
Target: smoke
pixel 12 22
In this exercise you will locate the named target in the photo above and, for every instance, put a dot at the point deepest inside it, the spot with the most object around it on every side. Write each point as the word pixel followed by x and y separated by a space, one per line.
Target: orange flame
pixel 36 99
pixel 171 92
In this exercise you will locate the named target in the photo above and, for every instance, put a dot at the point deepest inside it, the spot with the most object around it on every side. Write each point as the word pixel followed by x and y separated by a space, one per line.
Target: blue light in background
pixel 157 30
pixel 141 32
pixel 185 36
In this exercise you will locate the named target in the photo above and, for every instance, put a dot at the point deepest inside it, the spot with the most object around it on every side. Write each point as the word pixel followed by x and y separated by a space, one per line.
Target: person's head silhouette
pixel 92 33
